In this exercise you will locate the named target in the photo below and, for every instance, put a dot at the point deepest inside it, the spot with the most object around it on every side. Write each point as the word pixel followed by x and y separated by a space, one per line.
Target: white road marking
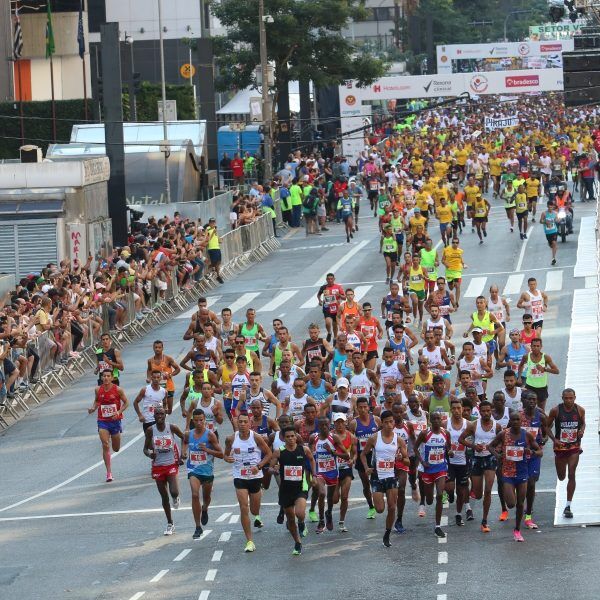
pixel 442 558
pixel 442 597
pixel 210 575
pixel 336 267
pixel 137 596
pixel 361 291
pixel 242 301
pixel 204 595
pixel 523 247
pixel 442 540
pixel 591 281
pixel 188 314
pixel 554 281
pixel 205 533
pixel 74 477
pixel 444 521
pixel 159 575
pixel 234 519
pixel 280 299
pixel 217 554
pixel 223 517
pixel 476 287
pixel 513 284
pixel 182 555
pixel 225 536
pixel 312 302
pixel 442 578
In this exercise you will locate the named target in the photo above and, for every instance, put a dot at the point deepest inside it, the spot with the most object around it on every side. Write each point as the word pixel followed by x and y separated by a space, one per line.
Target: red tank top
pixel 526 339
pixel 109 403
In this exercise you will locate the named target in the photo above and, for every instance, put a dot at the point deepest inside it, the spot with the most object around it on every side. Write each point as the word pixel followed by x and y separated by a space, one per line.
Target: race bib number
pixel 362 443
pixel 532 430
pixel 163 444
pixel 197 458
pixel 385 465
pixel 250 341
pixel 210 426
pixel 108 410
pixel 568 436
pixel 436 456
pixel 419 425
pixel 237 392
pixel 246 472
pixel 515 453
pixel 360 390
pixel 326 464
pixel 292 473
pixel 456 447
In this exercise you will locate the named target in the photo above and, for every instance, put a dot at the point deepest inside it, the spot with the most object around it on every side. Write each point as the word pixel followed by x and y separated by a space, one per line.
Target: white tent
pixel 240 103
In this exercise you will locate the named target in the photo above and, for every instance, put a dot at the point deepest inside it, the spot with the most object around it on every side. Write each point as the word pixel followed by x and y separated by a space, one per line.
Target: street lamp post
pixel 132 102
pixel 266 105
pixel 513 12
pixel 165 147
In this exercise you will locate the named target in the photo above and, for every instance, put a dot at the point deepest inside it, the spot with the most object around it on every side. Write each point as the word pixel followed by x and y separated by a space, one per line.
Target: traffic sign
pixel 187 70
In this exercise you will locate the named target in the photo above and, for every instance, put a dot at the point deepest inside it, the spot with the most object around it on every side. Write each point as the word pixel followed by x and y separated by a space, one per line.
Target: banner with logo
pixel 492 123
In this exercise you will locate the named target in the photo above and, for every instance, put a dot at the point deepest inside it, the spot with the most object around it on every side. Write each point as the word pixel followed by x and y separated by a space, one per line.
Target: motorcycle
pixel 561 223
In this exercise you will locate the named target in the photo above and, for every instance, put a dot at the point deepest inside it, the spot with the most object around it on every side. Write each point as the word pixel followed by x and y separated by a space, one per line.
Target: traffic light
pixel 557 10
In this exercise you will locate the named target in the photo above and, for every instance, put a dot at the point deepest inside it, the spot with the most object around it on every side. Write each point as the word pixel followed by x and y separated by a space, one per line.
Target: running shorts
pixel 458 474
pixel 163 472
pixel 380 486
pixel 113 427
pixel 252 485
pixel 483 463
pixel 431 478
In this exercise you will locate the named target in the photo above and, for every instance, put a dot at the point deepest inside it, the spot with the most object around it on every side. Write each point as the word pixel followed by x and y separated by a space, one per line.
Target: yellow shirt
pixel 452 258
pixel 440 193
pixel 533 187
pixel 521 202
pixel 417 165
pixel 428 187
pixel 416 221
pixel 444 214
pixel 496 167
pixel 416 281
pixel 440 168
pixel 461 157
pixel 471 192
pixel 421 201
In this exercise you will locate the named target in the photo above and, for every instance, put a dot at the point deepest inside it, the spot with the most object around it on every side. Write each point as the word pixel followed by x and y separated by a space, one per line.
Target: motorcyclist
pixel 551 187
pixel 564 202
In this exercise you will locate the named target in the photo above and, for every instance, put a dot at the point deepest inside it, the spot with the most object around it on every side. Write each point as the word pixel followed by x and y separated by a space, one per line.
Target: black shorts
pixel 507 208
pixel 483 463
pixel 538 324
pixel 202 478
pixel 459 474
pixel 358 464
pixel 346 217
pixel 328 314
pixel 393 256
pixel 346 472
pixel 551 237
pixel 380 486
pixel 288 497
pixel 532 200
pixel 480 219
pixel 215 256
pixel 372 194
pixel 147 426
pixel 425 213
pixel 371 354
pixel 541 393
pixel 522 215
pixel 252 485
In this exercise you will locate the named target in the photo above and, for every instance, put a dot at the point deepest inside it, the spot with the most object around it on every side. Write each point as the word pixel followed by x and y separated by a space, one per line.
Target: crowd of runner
pixel 386 390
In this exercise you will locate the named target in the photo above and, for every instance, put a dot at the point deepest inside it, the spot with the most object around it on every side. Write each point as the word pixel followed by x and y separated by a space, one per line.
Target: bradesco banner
pixel 447 53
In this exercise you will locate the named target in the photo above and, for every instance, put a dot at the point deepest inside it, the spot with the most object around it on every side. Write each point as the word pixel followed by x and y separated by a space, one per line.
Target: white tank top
pixel 402 433
pixel 484 437
pixel 354 340
pixel 246 454
pixel 536 305
pixel 286 388
pixel 513 403
pixel 152 399
pixel 473 367
pixel 264 402
pixel 296 406
pixel 360 384
pixel 339 405
pixel 503 422
pixel 441 323
pixel 459 457
pixel 497 309
pixel 481 350
pixel 389 374
pixel 435 358
pixel 212 345
pixel 419 423
pixel 208 413
pixel 163 443
pixel 385 456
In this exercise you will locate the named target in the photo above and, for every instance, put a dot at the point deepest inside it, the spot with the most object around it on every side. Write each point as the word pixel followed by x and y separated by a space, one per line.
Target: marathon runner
pixel 150 397
pixel 329 297
pixel 168 369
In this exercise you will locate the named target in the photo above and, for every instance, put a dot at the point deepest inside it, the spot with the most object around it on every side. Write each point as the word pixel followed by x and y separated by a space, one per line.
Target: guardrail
pixel 57 364
pixel 598 291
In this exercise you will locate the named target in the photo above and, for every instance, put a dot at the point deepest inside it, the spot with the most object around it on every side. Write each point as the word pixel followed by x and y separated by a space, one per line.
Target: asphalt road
pixel 65 533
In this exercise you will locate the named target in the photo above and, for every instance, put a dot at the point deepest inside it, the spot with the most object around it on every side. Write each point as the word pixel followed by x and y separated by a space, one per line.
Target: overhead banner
pixel 492 123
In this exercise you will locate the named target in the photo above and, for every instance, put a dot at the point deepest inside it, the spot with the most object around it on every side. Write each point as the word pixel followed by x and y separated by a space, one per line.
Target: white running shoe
pixel 170 529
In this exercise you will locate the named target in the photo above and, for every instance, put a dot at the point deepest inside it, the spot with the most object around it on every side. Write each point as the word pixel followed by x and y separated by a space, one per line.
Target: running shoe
pixel 297 549
pixel 204 517
pixel 342 527
pixel 451 497
pixel 470 516
pixel 329 520
pixel 511 230
pixel 176 502
pixel 567 514
pixel 220 279
pixel 250 547
pixel 328 336
pixel 553 262
pixel 459 521
pixel 258 522
pixel 484 233
pixel 371 513
pixel 503 516
pixel 439 532
pixel 399 528
pixel 444 497
pixel 422 512
pixel 109 477
pixel 170 529
pixel 518 536
pixel 280 517
pixel 312 516
pixel 197 533
pixel 320 527
pixel 302 528
pixel 485 528
pixel 386 539
pixel 525 235
pixel 529 522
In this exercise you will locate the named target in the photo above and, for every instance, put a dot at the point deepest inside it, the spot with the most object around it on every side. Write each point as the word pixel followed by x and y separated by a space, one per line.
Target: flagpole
pixel 85 98
pixel 22 117
pixel 53 102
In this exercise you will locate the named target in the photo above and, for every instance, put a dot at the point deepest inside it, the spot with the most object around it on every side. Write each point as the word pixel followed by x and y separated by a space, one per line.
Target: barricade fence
pixel 50 361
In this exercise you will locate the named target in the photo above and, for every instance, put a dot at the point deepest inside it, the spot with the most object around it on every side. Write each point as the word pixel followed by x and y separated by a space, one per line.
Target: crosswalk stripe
pixel 242 301
pixel 476 287
pixel 278 301
pixel 361 291
pixel 513 284
pixel 188 313
pixel 554 281
pixel 312 302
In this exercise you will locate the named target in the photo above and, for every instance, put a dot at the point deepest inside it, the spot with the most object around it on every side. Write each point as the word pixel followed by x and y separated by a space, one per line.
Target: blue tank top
pixel 346 206
pixel 514 356
pixel 515 462
pixel 325 459
pixel 434 452
pixel 550 223
pixel 400 351
pixel 533 424
pixel 339 360
pixel 318 393
pixel 199 462
pixel 364 432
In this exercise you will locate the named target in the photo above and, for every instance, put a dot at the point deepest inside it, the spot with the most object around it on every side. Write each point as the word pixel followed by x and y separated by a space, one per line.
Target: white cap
pixel 46 288
pixel 342 382
pixel 336 416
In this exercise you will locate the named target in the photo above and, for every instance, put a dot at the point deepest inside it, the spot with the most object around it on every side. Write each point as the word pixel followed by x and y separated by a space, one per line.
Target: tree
pixel 304 43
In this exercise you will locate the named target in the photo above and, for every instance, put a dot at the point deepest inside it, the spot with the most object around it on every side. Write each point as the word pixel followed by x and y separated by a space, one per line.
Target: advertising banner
pixel 491 123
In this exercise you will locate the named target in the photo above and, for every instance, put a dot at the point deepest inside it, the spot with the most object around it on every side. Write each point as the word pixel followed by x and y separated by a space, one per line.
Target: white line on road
pixel 444 521
pixel 204 595
pixel 554 281
pixel 442 558
pixel 217 554
pixel 361 291
pixel 442 540
pixel 476 287
pixel 513 284
pixel 223 517
pixel 205 533
pixel 225 536
pixel 189 313
pixel 442 578
pixel 77 476
pixel 159 575
pixel 182 555
pixel 442 597
pixel 210 575
pixel 591 281
pixel 234 519
pixel 523 247
pixel 242 301
pixel 312 302
pixel 335 267
pixel 137 596
pixel 278 301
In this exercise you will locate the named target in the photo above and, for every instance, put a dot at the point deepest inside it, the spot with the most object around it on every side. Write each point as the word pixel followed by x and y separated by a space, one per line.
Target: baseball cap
pixel 342 382
pixel 336 416
pixel 476 330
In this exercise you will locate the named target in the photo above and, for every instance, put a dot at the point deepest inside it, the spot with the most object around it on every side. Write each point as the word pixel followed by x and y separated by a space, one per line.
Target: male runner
pixel 168 369
pixel 150 397
pixel 458 468
pixel 329 297
pixel 348 442
pixel 405 432
pixel 534 302
pixel 452 259
pixel 108 358
pixel 538 366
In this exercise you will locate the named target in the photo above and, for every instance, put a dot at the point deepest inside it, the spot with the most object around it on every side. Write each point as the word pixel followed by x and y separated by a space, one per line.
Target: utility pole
pixel 166 149
pixel 266 104
pixel 512 12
